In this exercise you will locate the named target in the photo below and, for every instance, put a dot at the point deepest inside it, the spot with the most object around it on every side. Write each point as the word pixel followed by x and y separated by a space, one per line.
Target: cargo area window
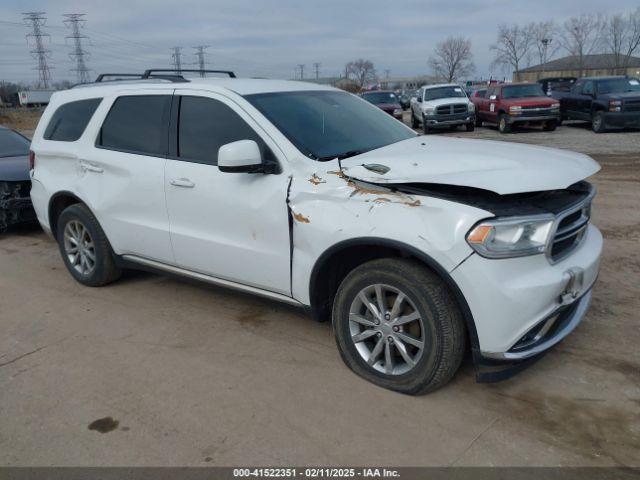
pixel 137 124
pixel 70 120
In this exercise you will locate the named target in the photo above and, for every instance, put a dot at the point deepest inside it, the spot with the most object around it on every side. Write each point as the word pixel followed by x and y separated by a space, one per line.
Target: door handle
pixel 90 167
pixel 182 182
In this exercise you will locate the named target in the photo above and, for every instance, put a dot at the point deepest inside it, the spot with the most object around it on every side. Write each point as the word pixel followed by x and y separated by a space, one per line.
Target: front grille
pixel 452 109
pixel 631 105
pixel 571 228
pixel 536 111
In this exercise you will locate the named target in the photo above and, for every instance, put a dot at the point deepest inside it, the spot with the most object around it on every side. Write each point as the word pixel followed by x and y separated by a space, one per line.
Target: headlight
pixel 511 237
pixel 555 106
pixel 397 111
pixel 429 110
pixel 471 107
pixel 515 110
pixel 615 105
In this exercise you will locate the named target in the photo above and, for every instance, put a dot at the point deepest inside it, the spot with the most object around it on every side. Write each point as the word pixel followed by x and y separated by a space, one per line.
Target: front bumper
pixel 511 298
pixel 622 119
pixel 449 120
pixel 511 119
pixel 15 204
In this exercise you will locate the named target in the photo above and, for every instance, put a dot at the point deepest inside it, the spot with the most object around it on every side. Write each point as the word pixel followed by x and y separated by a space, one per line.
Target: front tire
pixel 503 125
pixel 414 120
pixel 425 128
pixel 417 344
pixel 84 247
pixel 470 127
pixel 550 126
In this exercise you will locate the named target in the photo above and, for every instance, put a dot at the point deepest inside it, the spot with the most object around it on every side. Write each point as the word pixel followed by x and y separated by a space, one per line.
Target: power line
pixel 316 67
pixel 200 54
pixel 75 21
pixel 177 57
pixel 37 21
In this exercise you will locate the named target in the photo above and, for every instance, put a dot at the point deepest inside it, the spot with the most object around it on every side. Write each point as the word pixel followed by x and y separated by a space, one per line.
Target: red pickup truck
pixel 516 103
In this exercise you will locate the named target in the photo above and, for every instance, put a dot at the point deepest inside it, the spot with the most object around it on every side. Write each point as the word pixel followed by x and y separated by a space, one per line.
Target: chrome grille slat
pixel 570 227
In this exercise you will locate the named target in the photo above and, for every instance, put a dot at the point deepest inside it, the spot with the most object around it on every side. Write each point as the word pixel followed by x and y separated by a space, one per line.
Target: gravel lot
pixel 196 375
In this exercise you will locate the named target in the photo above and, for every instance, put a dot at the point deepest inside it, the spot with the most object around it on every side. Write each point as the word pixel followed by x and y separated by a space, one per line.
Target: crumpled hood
pixel 14 169
pixel 501 167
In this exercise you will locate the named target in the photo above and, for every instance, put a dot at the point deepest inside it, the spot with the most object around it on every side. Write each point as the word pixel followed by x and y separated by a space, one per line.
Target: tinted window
pixel 327 124
pixel 206 124
pixel 380 97
pixel 137 124
pixel 12 144
pixel 69 121
pixel 522 91
pixel 619 85
pixel 588 88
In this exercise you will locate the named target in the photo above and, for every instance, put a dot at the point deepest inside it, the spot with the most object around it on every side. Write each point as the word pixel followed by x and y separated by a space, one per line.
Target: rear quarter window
pixel 69 121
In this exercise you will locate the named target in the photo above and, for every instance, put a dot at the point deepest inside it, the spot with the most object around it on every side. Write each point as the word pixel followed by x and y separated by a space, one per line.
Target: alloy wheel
pixel 79 248
pixel 387 329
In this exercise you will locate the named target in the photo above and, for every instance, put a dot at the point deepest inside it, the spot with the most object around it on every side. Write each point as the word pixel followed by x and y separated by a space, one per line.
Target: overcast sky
pixel 269 37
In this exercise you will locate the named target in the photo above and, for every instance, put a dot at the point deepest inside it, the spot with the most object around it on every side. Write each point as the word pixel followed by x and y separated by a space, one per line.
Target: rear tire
pixel 503 125
pixel 429 314
pixel 84 247
pixel 597 122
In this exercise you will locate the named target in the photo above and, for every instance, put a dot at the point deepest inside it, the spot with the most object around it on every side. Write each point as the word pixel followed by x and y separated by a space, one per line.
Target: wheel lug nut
pixel 379 334
pixel 390 339
pixel 396 329
pixel 387 316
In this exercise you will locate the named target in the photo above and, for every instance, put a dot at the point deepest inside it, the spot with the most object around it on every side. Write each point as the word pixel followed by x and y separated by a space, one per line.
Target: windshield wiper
pixel 341 156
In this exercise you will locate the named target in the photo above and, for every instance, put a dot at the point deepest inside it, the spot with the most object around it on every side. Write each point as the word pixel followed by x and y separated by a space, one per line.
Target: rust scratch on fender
pixel 316 180
pixel 300 218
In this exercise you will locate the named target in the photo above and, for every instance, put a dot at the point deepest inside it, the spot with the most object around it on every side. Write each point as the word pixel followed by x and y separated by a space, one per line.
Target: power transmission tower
pixel 37 20
pixel 177 59
pixel 301 69
pixel 316 67
pixel 200 54
pixel 75 21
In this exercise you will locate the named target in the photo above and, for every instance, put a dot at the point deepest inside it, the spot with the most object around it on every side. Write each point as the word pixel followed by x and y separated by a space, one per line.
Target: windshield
pixel 13 144
pixel 380 97
pixel 521 91
pixel 619 85
pixel 443 92
pixel 328 124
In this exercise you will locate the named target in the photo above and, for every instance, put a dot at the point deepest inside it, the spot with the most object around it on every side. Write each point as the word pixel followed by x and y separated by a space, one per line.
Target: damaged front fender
pixel 15 204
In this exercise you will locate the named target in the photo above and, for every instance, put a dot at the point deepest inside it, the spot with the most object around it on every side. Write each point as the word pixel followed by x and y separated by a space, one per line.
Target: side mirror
pixel 419 99
pixel 243 156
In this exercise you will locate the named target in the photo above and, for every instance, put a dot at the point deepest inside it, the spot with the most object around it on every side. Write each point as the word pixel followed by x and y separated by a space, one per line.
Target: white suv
pixel 418 248
pixel 442 106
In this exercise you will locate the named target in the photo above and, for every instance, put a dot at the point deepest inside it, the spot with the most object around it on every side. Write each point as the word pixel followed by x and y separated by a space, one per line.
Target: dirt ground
pixel 197 375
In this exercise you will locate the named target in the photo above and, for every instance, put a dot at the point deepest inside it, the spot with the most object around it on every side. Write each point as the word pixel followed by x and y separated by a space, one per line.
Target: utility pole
pixel 316 67
pixel 545 44
pixel 75 21
pixel 37 20
pixel 200 52
pixel 301 69
pixel 177 59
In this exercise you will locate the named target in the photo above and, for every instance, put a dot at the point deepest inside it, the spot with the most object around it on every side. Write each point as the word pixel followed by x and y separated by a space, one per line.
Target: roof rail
pixel 152 73
pixel 117 76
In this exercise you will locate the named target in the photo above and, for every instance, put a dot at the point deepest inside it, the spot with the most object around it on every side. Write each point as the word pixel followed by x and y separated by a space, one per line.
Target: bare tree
pixel 513 46
pixel 545 40
pixel 362 71
pixel 582 36
pixel 452 58
pixel 622 38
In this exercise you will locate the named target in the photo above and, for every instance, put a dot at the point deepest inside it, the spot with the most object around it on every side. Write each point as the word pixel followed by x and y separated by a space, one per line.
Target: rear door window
pixel 69 121
pixel 206 124
pixel 137 124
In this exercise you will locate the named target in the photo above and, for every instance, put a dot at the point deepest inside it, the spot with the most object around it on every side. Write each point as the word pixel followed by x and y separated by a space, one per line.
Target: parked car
pixel 385 100
pixel 417 249
pixel 606 102
pixel 553 85
pixel 444 105
pixel 512 104
pixel 15 203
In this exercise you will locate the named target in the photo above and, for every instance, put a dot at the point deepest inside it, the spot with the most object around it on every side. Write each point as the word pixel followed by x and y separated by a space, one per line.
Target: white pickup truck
pixel 443 105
